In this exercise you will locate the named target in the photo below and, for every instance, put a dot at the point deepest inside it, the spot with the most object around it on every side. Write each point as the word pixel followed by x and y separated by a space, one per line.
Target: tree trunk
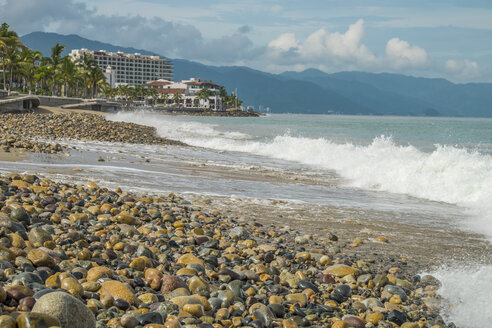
pixel 54 85
pixel 3 73
pixel 11 81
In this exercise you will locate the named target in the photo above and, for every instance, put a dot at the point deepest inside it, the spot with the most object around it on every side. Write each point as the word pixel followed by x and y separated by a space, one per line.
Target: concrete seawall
pixel 17 103
pixel 58 101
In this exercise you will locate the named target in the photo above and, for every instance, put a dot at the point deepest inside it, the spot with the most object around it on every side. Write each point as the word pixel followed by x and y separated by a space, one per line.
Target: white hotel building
pixel 188 90
pixel 128 69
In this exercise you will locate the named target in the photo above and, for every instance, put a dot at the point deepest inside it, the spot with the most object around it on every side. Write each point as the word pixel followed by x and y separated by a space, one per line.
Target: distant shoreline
pixel 201 112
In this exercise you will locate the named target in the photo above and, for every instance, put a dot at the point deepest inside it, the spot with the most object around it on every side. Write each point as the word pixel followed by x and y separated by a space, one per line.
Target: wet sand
pixel 424 247
pixel 59 110
pixel 13 155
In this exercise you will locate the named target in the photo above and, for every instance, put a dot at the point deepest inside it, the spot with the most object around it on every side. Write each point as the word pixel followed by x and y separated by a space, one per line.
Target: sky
pixel 451 39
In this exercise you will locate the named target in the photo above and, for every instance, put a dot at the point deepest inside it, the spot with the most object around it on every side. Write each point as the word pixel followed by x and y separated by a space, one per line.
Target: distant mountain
pixel 313 91
pixel 380 100
pixel 44 41
pixel 471 99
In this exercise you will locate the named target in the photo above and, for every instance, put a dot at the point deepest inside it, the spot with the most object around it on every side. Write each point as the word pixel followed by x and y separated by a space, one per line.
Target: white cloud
pixel 149 33
pixel 322 46
pixel 462 68
pixel 346 47
pixel 346 51
pixel 285 42
pixel 402 54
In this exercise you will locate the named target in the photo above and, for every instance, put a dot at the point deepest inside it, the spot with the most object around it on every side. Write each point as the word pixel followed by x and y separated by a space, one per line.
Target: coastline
pixel 29 130
pixel 413 246
pixel 357 242
pixel 199 112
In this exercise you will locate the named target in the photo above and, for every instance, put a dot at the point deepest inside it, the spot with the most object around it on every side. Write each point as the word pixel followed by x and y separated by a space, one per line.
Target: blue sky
pixel 450 39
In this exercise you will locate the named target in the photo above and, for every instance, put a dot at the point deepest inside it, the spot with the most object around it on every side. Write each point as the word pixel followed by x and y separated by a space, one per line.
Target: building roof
pixel 158 83
pixel 171 90
pixel 200 83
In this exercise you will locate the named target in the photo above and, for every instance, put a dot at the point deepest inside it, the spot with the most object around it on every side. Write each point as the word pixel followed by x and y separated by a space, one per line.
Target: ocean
pixel 432 176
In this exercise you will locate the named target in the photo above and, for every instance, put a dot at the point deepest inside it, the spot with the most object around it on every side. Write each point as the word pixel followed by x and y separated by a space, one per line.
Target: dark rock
pixel 121 304
pixel 256 324
pixel 27 278
pixel 20 214
pixel 304 284
pixel 42 292
pixel 150 317
pixel 397 317
pixel 343 290
pixel 228 272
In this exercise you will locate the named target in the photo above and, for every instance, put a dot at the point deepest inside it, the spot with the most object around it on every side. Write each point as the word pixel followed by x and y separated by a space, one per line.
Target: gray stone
pixel 372 302
pixel 430 280
pixel 26 278
pixel 266 317
pixel 39 236
pixel 129 321
pixel 144 251
pixel 227 297
pixel 5 265
pixel 215 302
pixel 239 232
pixel 67 309
pixel 235 287
pixel 20 214
pixel 364 279
pixel 396 290
pixel 167 308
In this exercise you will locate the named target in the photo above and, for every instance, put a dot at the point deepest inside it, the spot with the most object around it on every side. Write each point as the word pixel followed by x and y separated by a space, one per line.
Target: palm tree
pixel 204 95
pixel 29 68
pixel 108 92
pixel 165 98
pixel 5 36
pixel 86 63
pixel 77 83
pixel 140 92
pixel 55 62
pixel 124 92
pixel 152 93
pixel 42 75
pixel 68 72
pixel 177 98
pixel 96 78
pixel 12 57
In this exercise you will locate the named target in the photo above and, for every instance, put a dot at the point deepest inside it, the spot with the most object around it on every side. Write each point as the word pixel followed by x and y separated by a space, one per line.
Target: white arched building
pixel 188 89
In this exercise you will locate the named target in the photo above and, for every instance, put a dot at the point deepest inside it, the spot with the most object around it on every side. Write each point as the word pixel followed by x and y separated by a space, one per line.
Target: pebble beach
pixel 85 256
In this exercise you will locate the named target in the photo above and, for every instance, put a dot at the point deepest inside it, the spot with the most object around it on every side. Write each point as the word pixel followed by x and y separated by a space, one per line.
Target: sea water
pixel 439 159
pixel 430 172
pixel 444 160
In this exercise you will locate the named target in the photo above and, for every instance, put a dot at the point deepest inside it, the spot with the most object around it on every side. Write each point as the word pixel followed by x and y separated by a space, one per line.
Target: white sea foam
pixel 467 290
pixel 448 174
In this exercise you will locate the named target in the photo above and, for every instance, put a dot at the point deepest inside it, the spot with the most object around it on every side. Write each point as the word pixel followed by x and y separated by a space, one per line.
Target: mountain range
pixel 313 91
